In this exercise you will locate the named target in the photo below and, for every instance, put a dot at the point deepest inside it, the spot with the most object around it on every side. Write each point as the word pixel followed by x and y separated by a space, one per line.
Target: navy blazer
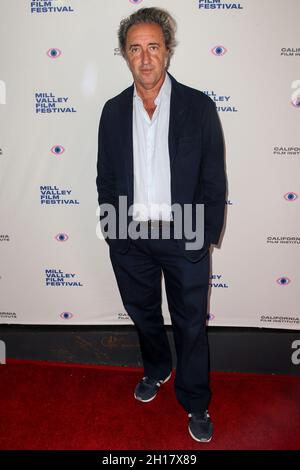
pixel 196 151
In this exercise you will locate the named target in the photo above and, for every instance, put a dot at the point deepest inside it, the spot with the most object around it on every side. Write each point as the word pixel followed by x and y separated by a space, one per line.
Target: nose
pixel 146 58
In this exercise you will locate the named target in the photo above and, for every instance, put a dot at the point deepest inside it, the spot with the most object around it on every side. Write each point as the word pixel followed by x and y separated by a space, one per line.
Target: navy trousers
pixel 139 273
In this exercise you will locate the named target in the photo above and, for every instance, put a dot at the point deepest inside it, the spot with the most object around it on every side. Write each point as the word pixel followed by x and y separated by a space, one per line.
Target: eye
pixel 54 53
pixel 66 315
pixel 283 281
pixel 61 237
pixel 135 50
pixel 291 196
pixel 57 150
pixel 135 2
pixel 219 50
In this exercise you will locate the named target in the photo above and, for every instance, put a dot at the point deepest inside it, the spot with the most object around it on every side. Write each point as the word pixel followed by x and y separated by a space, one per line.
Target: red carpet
pixel 62 406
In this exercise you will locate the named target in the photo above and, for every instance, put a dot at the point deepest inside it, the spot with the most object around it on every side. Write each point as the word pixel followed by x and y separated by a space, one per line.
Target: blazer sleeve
pixel 213 179
pixel 105 180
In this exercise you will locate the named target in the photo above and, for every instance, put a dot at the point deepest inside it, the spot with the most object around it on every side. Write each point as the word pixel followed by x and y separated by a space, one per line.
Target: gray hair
pixel 150 15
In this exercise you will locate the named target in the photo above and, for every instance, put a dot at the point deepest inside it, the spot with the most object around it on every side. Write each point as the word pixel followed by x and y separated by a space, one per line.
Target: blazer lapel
pixel 177 116
pixel 126 108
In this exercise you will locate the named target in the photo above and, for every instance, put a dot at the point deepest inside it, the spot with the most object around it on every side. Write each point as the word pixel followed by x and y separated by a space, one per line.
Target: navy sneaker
pixel 146 390
pixel 200 426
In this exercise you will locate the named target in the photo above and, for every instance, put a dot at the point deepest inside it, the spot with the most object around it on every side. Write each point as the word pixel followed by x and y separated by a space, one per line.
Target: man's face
pixel 146 54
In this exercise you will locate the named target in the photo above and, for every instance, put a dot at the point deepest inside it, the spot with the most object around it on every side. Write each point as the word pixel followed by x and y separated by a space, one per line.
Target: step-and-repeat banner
pixel 59 63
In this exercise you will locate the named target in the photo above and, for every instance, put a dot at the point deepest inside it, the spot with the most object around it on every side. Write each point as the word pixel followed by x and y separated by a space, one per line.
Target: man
pixel 161 148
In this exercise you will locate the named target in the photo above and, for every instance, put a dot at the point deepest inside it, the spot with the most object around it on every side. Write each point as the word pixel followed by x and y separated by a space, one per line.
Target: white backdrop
pixel 59 63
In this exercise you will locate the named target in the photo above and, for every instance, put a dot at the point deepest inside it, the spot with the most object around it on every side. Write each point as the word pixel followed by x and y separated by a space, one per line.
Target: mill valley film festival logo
pixel 218 5
pixel 219 51
pixel 61 237
pixel 283 281
pixel 223 103
pixel 54 53
pixel 66 315
pixel 58 278
pixel 217 282
pixel 51 6
pixel 291 197
pixel 57 150
pixel 47 102
pixel 54 195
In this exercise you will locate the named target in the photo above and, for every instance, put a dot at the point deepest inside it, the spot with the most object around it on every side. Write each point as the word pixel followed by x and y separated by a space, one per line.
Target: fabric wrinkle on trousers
pixel 139 274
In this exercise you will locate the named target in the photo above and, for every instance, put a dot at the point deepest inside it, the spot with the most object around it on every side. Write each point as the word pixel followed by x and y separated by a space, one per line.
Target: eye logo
pixel 58 150
pixel 54 53
pixel 135 2
pixel 296 101
pixel 210 316
pixel 283 281
pixel 219 50
pixel 296 94
pixel 61 237
pixel 66 315
pixel 291 196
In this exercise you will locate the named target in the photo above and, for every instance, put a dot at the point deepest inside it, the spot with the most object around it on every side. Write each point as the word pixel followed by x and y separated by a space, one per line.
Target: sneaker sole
pixel 199 440
pixel 152 398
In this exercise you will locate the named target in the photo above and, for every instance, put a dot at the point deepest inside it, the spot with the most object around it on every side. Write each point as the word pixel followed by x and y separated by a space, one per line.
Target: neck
pixel 149 95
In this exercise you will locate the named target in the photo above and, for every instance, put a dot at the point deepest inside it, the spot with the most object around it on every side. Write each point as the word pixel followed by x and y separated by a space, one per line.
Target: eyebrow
pixel 150 44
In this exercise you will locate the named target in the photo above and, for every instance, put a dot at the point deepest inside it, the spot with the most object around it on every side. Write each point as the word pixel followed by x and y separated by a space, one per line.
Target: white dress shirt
pixel 151 161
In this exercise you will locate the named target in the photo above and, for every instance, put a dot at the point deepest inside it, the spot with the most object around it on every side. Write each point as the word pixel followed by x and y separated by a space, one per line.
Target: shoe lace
pixel 200 416
pixel 151 382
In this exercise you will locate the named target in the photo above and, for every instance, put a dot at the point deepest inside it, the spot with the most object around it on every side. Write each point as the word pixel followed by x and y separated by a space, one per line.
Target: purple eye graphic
pixel 57 150
pixel 54 53
pixel 296 102
pixel 283 281
pixel 136 2
pixel 66 315
pixel 291 196
pixel 219 50
pixel 61 237
pixel 210 316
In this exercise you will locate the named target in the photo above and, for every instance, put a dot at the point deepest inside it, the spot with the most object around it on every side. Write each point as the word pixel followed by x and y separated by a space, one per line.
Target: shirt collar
pixel 165 91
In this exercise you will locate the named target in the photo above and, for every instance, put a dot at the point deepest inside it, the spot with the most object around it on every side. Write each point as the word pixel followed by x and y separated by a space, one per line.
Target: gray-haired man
pixel 169 152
